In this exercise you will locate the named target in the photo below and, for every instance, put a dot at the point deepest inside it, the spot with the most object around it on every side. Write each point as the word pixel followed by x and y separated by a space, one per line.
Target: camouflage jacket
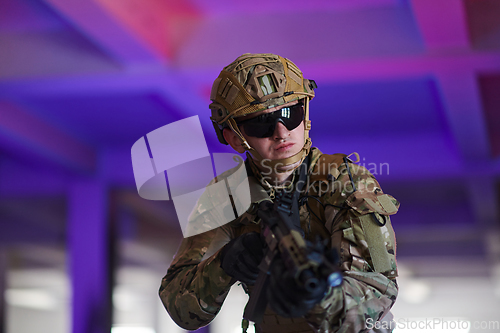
pixel 353 214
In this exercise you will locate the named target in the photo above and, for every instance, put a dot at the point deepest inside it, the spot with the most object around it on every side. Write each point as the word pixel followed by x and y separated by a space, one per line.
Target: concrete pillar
pixel 89 257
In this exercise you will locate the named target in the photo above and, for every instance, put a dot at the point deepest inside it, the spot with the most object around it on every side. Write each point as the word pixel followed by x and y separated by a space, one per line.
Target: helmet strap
pixel 234 127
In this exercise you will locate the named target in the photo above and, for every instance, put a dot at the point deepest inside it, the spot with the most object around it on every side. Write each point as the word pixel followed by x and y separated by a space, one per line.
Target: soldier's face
pixel 283 143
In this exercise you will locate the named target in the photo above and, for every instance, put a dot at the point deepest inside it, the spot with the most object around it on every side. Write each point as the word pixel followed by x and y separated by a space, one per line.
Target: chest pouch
pixel 373 209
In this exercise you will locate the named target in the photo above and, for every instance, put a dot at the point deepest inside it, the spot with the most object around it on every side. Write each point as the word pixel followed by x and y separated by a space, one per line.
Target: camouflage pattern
pixel 195 285
pixel 239 89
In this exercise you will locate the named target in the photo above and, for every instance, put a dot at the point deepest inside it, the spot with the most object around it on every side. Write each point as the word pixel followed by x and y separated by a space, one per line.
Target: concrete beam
pixel 105 27
pixel 462 101
pixel 359 70
pixel 29 137
pixel 162 25
pixel 133 31
pixel 176 89
pixel 217 8
pixel 186 84
pixel 442 23
pixel 172 86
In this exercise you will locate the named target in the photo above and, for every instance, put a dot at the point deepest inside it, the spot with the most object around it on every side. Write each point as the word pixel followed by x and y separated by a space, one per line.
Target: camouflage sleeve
pixel 363 235
pixel 195 285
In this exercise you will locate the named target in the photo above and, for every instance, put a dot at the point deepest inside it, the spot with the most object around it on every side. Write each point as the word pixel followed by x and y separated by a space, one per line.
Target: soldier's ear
pixel 233 140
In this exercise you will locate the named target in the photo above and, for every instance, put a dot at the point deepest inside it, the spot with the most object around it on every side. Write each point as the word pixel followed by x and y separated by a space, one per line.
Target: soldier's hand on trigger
pixel 241 257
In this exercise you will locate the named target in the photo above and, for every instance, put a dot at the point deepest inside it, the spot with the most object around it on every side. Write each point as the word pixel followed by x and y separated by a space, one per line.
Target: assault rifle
pixel 308 263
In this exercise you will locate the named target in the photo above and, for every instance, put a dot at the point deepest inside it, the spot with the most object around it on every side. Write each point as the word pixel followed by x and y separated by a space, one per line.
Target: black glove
pixel 287 297
pixel 241 257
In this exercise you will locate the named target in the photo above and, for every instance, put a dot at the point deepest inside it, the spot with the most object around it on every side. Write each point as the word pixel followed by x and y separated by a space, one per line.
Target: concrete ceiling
pixel 411 83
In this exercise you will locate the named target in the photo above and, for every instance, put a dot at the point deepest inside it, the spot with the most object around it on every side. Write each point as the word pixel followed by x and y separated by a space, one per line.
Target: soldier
pixel 260 104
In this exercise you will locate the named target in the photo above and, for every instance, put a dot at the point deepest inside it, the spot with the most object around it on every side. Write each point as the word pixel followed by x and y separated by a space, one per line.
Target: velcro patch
pixel 387 204
pixel 365 202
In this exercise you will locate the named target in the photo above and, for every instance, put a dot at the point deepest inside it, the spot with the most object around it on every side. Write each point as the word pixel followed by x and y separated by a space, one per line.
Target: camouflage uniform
pixel 353 215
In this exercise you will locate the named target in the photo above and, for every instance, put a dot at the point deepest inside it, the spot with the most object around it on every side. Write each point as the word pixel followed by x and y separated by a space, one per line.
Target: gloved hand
pixel 287 297
pixel 241 257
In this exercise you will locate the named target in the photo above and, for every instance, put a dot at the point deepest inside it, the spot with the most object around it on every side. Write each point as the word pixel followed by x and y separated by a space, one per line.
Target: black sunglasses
pixel 263 126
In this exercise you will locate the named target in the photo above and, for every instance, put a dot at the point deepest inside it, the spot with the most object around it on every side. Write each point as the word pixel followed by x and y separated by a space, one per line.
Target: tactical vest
pixel 327 223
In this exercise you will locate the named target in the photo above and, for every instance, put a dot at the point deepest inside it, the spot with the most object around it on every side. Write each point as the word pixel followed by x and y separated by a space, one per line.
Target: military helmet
pixel 256 82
